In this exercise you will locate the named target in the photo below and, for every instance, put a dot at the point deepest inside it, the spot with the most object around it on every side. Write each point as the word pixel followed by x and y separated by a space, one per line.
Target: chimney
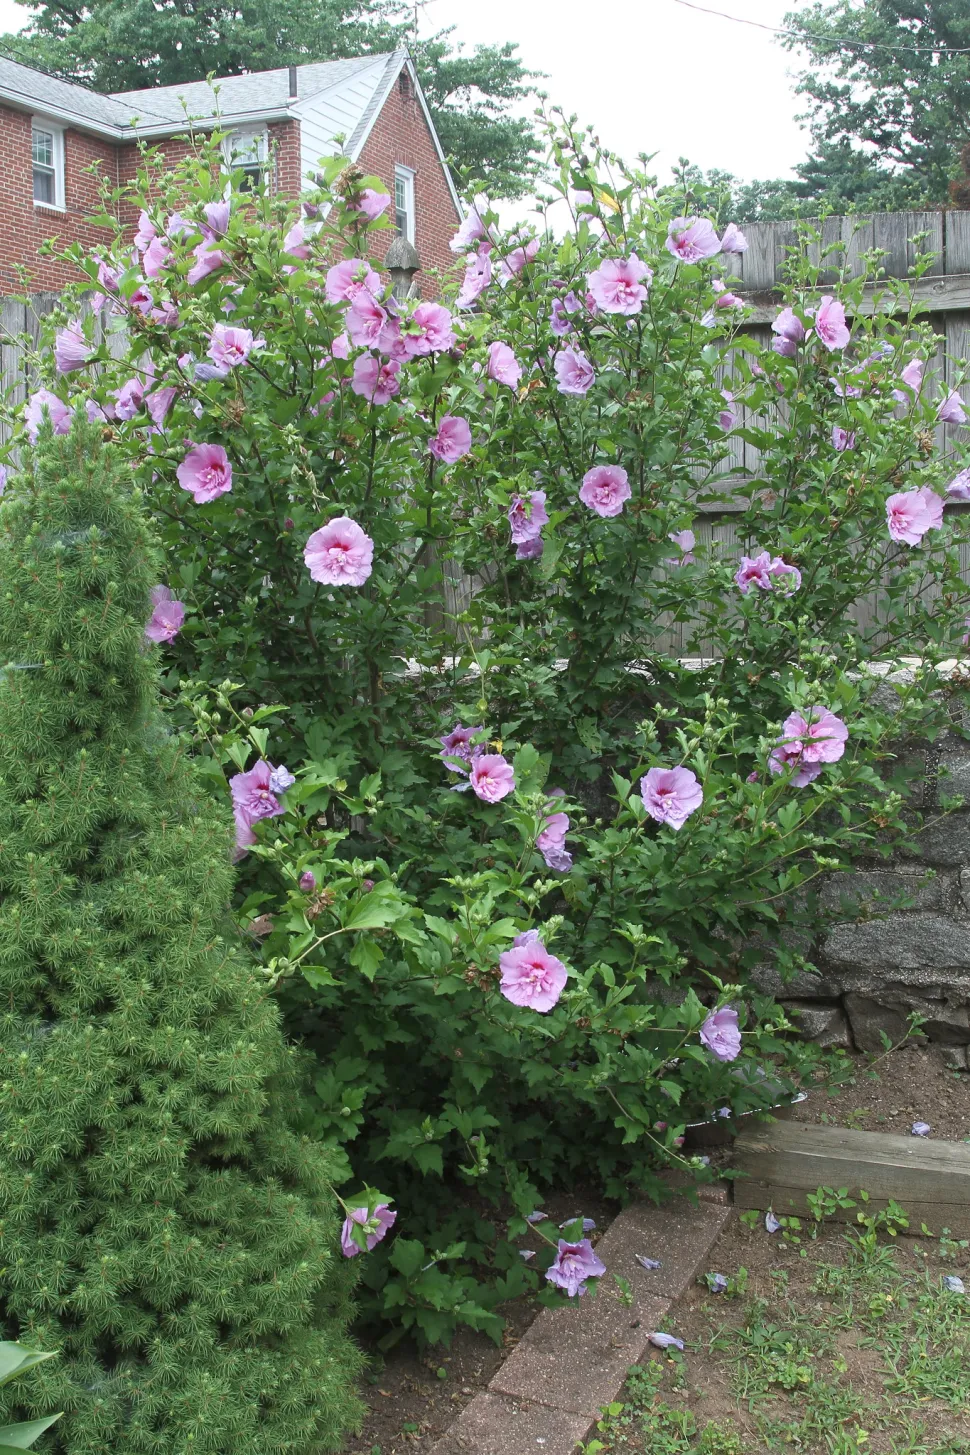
pixel 294 90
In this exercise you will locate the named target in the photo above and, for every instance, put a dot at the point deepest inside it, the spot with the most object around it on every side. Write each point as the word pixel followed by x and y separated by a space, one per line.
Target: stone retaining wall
pixel 876 964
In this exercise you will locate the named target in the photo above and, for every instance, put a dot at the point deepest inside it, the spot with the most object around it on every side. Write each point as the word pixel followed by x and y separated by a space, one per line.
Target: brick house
pixel 279 124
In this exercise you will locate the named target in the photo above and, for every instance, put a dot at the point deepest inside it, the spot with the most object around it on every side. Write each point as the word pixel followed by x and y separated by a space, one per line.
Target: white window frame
pixel 404 179
pixel 245 140
pixel 56 133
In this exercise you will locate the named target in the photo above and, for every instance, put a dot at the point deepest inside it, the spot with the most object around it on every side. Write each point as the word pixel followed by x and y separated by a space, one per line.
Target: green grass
pixel 854 1348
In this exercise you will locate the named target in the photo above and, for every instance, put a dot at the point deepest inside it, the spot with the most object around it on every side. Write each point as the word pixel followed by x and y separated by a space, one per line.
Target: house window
pixel 47 155
pixel 404 202
pixel 246 157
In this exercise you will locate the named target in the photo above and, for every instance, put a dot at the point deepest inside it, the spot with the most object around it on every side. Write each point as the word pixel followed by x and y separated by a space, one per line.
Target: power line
pixel 929 50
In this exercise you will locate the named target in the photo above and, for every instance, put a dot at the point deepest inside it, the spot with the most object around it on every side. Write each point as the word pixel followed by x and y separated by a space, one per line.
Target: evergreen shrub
pixel 162 1228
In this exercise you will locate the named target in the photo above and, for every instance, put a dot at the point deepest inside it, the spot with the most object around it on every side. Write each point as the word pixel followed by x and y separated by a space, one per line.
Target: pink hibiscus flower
pixel 492 777
pixel 619 285
pixel 503 366
pixel 671 795
pixel 205 473
pixel 574 372
pixel 604 489
pixel 340 553
pixel 167 616
pixel 375 380
pixel 454 439
pixel 531 976
pixel 911 513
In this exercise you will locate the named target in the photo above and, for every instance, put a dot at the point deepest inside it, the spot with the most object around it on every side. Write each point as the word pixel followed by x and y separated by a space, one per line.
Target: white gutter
pixel 211 123
pixel 65 115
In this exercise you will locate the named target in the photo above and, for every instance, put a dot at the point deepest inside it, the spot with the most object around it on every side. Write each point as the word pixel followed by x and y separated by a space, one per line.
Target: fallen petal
pixel 953 1284
pixel 665 1341
pixel 771 1222
pixel 648 1263
pixel 536 1217
pixel 527 1253
pixel 921 1129
pixel 717 1282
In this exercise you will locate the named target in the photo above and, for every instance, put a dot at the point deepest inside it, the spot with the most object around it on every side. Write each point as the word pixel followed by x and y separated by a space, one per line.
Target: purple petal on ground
pixel 717 1282
pixel 648 1263
pixel 953 1284
pixel 536 1217
pixel 920 1129
pixel 771 1222
pixel 665 1341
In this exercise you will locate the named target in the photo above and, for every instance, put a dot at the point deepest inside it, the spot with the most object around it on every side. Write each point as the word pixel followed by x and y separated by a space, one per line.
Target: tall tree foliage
pixel 123 45
pixel 888 97
pixel 161 1227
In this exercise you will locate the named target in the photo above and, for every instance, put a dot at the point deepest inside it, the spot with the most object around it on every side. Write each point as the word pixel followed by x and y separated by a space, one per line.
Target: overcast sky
pixel 651 75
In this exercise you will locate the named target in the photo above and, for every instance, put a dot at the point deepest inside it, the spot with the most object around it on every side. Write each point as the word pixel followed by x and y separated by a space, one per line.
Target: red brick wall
pixel 284 148
pixel 402 137
pixel 23 226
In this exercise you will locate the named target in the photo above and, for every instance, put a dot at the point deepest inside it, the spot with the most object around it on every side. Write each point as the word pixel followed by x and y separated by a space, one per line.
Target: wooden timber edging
pixel 785 1161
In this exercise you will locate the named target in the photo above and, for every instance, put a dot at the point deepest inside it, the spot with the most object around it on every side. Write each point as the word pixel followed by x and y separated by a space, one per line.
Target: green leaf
pixel 672 1090
pixel 407 1255
pixel 588 734
pixel 428 1158
pixel 370 786
pixel 15 1358
pixel 21 1437
pixel 527 766
pixel 441 928
pixel 376 910
pixel 366 956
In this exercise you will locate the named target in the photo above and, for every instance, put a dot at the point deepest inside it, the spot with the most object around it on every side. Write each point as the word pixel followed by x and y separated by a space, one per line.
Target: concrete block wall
pixel 876 963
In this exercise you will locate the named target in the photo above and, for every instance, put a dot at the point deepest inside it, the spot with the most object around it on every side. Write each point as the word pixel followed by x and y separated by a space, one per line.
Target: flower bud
pixel 367 886
pixel 308 881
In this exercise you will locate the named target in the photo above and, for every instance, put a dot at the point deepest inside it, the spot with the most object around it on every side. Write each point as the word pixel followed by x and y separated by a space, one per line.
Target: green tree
pixel 888 98
pixel 476 100
pixel 122 45
pixel 162 1228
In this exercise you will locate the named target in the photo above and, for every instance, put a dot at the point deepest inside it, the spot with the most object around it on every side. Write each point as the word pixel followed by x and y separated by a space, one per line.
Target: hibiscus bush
pixel 528 772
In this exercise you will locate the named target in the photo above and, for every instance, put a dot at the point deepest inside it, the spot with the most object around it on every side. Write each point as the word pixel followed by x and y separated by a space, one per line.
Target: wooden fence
pixel 942 297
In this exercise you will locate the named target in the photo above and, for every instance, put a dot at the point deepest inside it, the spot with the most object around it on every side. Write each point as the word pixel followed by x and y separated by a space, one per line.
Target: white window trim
pixel 248 135
pixel 407 176
pixel 57 132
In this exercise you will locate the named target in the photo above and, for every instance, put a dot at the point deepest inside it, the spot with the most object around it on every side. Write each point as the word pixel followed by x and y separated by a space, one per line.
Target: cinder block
pixel 495 1425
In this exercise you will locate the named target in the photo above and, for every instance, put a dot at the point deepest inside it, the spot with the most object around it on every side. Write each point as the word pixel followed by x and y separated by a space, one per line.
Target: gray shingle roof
pixel 46 93
pixel 258 91
pixel 356 87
